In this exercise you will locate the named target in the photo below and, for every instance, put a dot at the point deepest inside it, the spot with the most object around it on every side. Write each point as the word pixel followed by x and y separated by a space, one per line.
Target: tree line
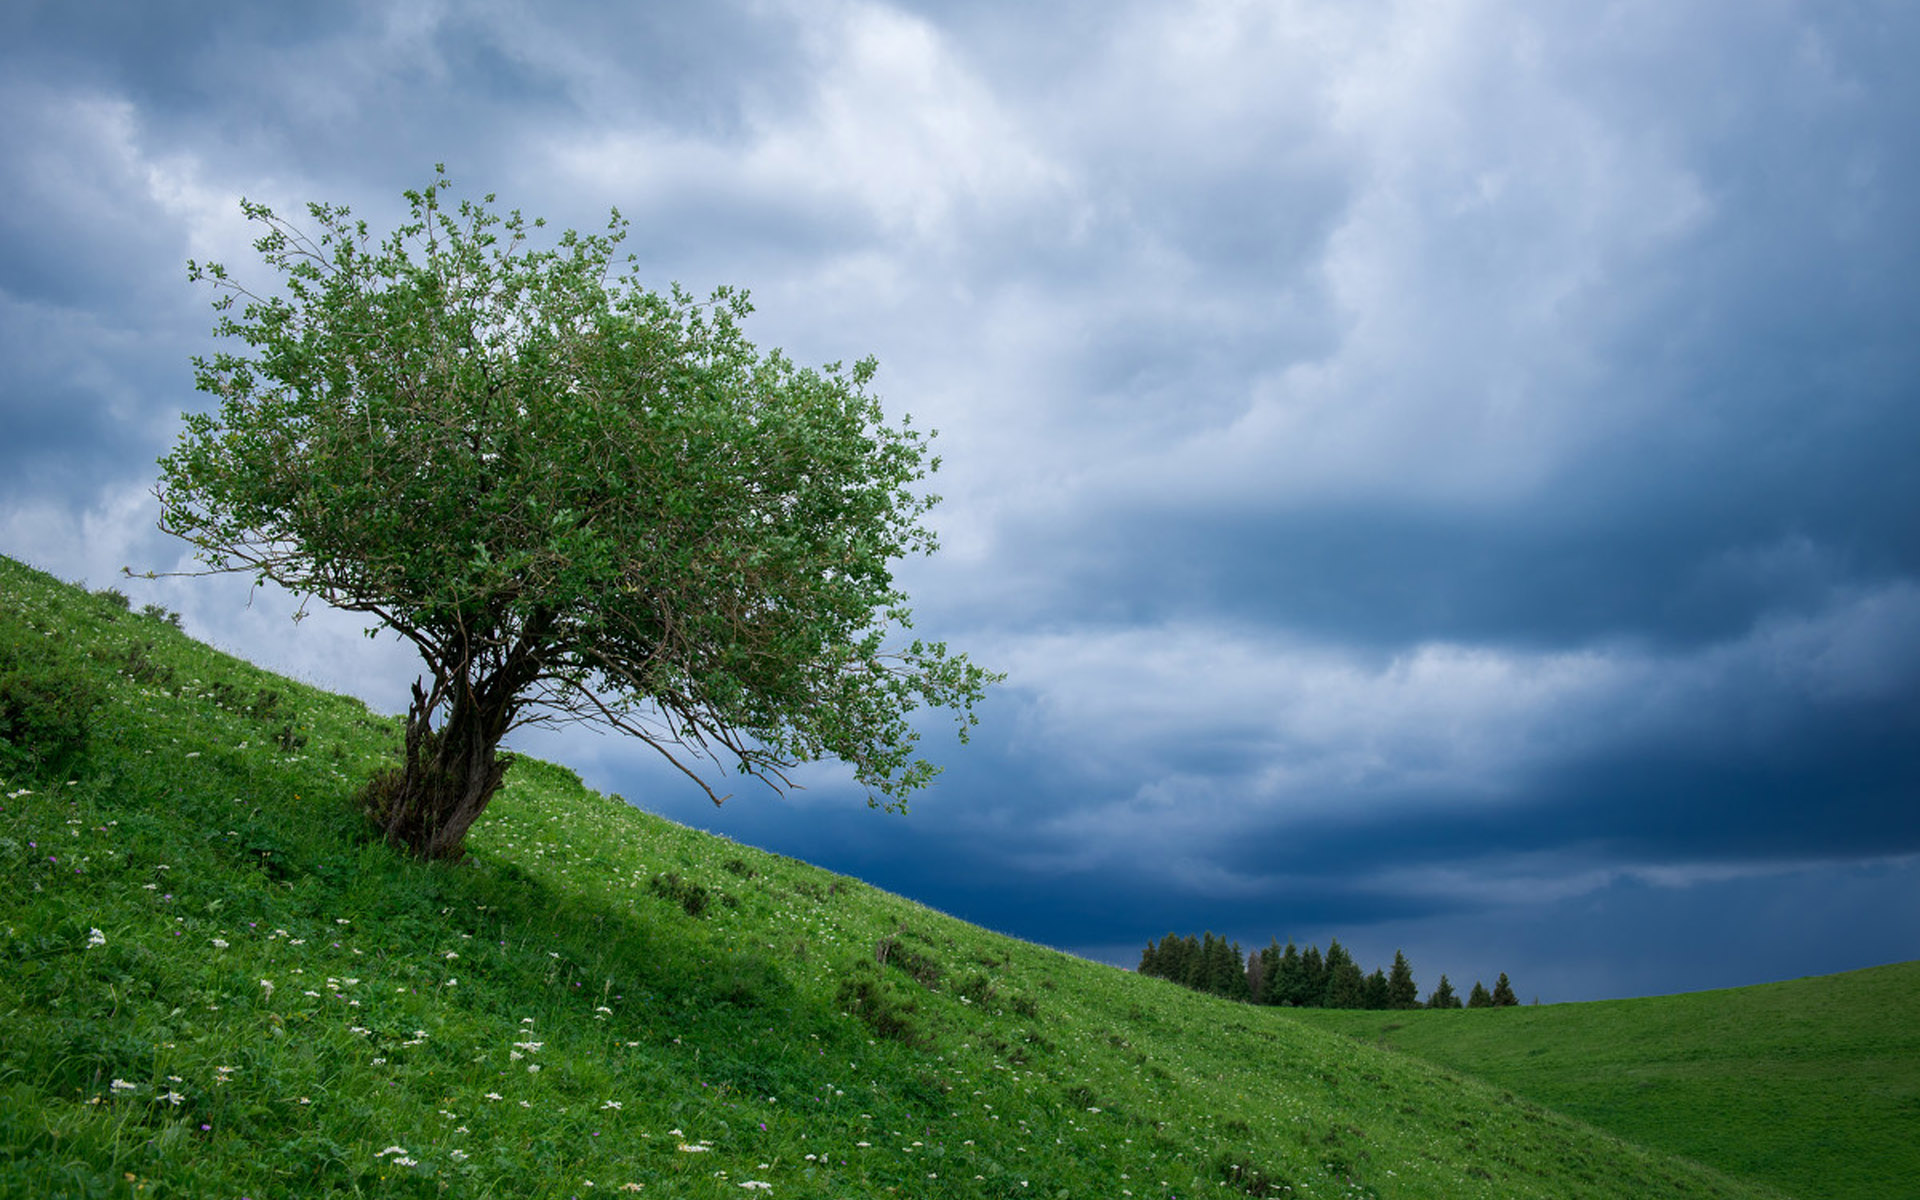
pixel 1307 978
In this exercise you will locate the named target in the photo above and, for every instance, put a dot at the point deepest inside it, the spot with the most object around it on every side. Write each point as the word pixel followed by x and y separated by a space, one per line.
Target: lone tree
pixel 581 500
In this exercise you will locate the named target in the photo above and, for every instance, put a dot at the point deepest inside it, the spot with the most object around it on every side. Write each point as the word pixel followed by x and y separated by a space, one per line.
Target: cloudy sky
pixel 1439 475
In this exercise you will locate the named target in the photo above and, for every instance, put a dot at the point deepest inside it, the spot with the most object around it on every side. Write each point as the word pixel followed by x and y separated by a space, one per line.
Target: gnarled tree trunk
pixel 427 805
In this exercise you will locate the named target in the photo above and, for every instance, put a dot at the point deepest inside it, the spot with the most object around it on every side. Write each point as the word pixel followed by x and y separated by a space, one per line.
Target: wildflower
pixel 121 1085
pixel 267 985
pixel 757 1185
pixel 451 954
pixel 494 1096
pixel 692 1149
pixel 611 1104
pixel 172 1097
pixel 533 1068
pixel 95 938
pixel 391 1150
pixel 219 943
pixel 457 1155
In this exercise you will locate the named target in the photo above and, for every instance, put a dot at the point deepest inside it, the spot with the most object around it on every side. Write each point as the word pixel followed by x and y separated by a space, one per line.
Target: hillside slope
pixel 1812 1085
pixel 213 984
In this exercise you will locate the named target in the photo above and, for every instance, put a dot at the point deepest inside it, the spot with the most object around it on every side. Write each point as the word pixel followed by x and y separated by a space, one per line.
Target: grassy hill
pixel 213 984
pixel 1812 1085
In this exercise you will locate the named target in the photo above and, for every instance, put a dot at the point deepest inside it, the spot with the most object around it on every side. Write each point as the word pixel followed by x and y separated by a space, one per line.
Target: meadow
pixel 215 983
pixel 1812 1085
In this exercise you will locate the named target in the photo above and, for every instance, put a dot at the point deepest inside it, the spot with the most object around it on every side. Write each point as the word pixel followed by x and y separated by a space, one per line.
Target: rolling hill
pixel 1812 1085
pixel 214 983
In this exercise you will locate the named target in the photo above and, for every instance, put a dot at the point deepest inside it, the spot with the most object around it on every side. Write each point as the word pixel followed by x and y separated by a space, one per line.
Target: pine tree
pixel 1442 996
pixel 1284 985
pixel 1346 987
pixel 1149 959
pixel 1375 995
pixel 1313 978
pixel 1479 997
pixel 1224 969
pixel 1200 967
pixel 1503 993
pixel 1257 975
pixel 1401 991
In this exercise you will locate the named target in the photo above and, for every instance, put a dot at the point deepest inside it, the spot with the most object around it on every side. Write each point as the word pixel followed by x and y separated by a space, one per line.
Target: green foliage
pixel 1479 997
pixel 574 495
pixel 409 1000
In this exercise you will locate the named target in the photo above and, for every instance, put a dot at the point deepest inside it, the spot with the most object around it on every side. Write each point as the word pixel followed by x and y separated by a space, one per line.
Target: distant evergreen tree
pixel 1257 975
pixel 1442 996
pixel 1200 966
pixel 1234 981
pixel 1503 993
pixel 1286 984
pixel 1346 987
pixel 1401 992
pixel 1149 959
pixel 1375 994
pixel 1313 978
pixel 1479 997
pixel 1225 971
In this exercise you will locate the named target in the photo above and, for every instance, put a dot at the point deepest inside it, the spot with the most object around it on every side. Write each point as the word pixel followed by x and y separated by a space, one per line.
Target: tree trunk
pixel 427 806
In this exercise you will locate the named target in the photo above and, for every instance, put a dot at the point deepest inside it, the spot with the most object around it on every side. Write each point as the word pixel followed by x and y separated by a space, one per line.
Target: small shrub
pixel 156 612
pixel 690 896
pixel 143 670
pixel 1241 1172
pixel 892 952
pixel 864 994
pixel 46 704
pixel 738 866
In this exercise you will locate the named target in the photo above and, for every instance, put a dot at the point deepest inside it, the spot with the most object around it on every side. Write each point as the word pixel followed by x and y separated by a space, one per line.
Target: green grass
pixel 1811 1085
pixel 599 1001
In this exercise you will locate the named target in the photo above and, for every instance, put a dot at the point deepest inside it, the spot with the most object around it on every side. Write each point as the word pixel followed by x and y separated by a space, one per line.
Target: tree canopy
pixel 580 499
